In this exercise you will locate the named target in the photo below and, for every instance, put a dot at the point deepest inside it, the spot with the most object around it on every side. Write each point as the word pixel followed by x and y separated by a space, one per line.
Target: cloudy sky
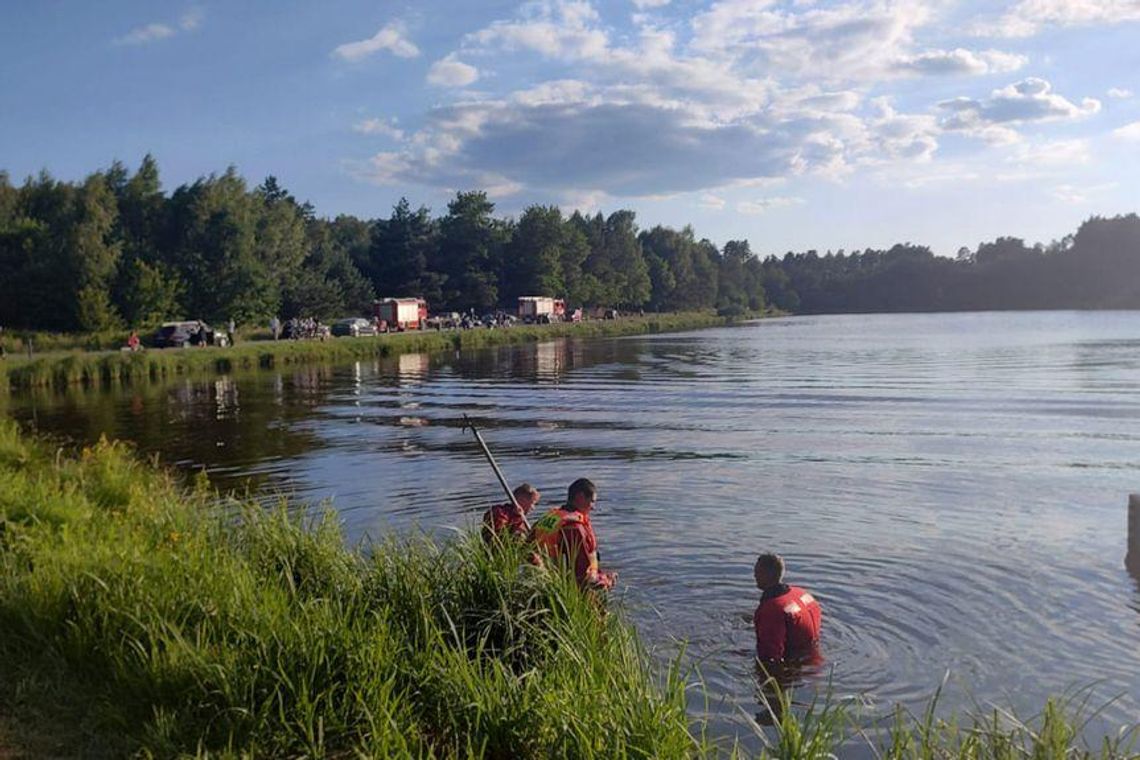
pixel 796 124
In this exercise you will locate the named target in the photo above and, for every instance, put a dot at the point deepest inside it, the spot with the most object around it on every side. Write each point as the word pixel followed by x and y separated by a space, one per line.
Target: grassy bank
pixel 64 368
pixel 136 618
pixel 140 618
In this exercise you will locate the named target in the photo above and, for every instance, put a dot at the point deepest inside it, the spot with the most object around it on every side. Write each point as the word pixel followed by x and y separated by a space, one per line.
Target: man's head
pixel 769 570
pixel 526 496
pixel 581 495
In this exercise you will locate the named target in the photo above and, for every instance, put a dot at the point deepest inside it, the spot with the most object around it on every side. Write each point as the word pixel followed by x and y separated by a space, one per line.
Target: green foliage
pixel 402 255
pixel 148 293
pixel 470 252
pixel 244 632
pixel 683 272
pixel 535 257
pixel 116 250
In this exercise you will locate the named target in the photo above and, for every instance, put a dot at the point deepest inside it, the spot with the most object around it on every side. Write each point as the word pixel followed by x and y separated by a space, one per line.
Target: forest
pixel 116 251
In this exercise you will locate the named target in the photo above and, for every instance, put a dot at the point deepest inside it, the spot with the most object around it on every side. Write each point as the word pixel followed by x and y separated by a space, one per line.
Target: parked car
pixel 353 326
pixel 180 334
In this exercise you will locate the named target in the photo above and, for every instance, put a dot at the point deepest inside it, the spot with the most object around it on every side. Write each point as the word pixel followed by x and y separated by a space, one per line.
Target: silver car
pixel 353 326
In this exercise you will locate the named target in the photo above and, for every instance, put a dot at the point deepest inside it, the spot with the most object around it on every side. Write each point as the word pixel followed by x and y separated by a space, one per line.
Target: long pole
pixel 467 423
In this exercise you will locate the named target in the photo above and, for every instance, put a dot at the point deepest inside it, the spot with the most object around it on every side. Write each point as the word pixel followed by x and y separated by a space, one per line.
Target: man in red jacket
pixel 504 520
pixel 788 617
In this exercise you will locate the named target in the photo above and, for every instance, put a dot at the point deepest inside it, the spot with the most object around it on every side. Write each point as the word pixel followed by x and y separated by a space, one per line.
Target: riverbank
pixel 63 369
pixel 139 618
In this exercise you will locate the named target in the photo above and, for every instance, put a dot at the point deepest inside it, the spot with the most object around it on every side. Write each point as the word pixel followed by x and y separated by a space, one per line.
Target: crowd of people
pixel 298 328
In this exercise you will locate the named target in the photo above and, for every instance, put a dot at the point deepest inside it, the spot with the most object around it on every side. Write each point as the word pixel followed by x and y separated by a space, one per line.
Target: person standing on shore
pixel 275 327
pixel 788 618
pixel 565 534
pixel 503 520
pixel 231 332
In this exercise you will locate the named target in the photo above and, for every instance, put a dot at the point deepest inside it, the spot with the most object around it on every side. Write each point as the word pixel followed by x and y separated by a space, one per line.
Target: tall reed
pixel 194 628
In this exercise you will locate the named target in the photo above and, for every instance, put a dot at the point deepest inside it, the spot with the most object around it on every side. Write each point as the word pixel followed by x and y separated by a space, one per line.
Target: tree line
pixel 115 250
pixel 1098 267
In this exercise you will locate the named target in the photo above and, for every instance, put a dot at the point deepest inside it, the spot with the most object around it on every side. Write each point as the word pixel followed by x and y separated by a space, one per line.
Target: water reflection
pixel 776 684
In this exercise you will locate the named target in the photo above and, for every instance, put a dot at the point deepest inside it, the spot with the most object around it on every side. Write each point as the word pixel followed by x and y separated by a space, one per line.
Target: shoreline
pixel 60 370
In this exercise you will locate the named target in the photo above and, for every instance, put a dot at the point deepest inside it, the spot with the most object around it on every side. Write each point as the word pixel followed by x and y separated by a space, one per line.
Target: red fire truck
pixel 399 314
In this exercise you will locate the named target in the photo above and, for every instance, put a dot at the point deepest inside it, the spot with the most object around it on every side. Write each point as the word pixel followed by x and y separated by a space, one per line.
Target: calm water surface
pixel 952 487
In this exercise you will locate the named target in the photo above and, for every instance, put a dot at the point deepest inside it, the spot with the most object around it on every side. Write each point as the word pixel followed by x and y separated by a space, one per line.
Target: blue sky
pixel 797 124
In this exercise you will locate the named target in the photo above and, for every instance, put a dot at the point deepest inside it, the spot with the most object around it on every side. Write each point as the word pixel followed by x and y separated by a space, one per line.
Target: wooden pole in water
pixel 1132 558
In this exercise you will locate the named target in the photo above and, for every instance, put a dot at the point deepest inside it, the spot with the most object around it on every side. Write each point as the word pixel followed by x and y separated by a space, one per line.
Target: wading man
pixel 565 534
pixel 787 619
pixel 503 520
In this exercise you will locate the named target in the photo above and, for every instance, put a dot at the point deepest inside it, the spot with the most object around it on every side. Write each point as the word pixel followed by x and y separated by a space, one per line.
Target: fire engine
pixel 399 314
pixel 541 309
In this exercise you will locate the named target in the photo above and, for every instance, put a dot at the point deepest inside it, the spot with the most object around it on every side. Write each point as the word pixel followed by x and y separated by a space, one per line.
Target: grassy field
pixel 143 618
pixel 61 369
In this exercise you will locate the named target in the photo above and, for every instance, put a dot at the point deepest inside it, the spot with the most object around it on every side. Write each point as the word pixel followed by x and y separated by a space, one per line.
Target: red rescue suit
pixel 503 520
pixel 787 623
pixel 568 535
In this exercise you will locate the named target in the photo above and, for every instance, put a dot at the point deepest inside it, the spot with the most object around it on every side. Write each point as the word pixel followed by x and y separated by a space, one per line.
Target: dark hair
pixel 771 565
pixel 583 486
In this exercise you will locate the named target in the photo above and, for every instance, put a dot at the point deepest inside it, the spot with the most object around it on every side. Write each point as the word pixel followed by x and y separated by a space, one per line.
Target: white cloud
pixel 711 202
pixel 1028 17
pixel 1119 93
pixel 153 32
pixel 962 61
pixel 763 205
pixel 642 4
pixel 378 127
pixel 903 136
pixel 554 28
pixel 390 37
pixel 1128 131
pixel 847 41
pixel 781 93
pixel 1062 154
pixel 1029 100
pixel 1079 195
pixel 554 91
pixel 144 34
pixel 451 72
pixel 950 176
pixel 191 20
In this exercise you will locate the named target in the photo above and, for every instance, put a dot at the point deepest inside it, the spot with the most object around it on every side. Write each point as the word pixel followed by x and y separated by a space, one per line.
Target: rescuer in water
pixel 565 534
pixel 787 619
pixel 503 520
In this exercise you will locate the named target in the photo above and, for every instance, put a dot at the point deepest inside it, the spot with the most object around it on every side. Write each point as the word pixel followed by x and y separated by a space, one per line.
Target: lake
pixel 952 487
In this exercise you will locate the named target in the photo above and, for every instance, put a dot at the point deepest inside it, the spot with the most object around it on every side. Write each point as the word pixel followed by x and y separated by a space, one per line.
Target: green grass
pixel 172 626
pixel 143 618
pixel 61 369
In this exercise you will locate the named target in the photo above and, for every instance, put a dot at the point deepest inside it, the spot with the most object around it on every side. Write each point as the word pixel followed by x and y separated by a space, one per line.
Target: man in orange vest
pixel 787 619
pixel 566 534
